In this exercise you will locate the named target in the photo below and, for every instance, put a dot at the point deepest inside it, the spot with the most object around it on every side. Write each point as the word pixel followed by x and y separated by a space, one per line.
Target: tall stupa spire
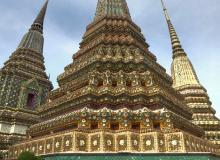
pixel 24 85
pixel 185 81
pixel 26 63
pixel 183 72
pixel 112 8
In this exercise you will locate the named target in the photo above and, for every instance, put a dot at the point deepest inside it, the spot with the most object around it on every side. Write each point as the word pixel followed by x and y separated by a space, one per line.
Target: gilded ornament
pixel 40 147
pixel 148 142
pixel 95 143
pixel 48 146
pixel 135 142
pixel 81 143
pixel 174 142
pixel 57 144
pixel 122 142
pixel 67 143
pixel 109 142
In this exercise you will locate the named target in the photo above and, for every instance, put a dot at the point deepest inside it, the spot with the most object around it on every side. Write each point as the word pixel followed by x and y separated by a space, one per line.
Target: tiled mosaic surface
pixel 132 157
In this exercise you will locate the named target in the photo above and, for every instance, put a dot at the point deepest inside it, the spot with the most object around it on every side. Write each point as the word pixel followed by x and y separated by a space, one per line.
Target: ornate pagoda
pixel 186 82
pixel 115 98
pixel 24 86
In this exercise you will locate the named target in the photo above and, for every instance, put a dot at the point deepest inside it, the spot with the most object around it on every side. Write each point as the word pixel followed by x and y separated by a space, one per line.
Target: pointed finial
pixel 39 21
pixel 164 8
pixel 176 45
pixel 165 11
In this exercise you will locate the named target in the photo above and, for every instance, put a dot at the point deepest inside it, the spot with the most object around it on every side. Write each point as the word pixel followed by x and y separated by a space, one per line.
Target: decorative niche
pixel 30 95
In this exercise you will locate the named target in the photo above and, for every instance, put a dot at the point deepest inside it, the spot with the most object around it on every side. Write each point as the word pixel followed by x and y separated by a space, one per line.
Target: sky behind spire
pixel 66 21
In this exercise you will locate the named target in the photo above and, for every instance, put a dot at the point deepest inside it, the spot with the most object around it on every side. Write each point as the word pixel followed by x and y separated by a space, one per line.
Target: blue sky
pixel 196 22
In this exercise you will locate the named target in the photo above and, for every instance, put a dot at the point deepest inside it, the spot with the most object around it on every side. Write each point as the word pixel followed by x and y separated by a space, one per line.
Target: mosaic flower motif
pixel 109 142
pixel 174 142
pixel 161 142
pixel 48 146
pixel 82 143
pixel 148 142
pixel 67 143
pixel 135 142
pixel 95 143
pixel 57 144
pixel 122 142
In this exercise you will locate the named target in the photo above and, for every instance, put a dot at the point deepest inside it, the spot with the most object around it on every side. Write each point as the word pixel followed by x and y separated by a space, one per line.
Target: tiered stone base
pixel 127 141
pixel 189 156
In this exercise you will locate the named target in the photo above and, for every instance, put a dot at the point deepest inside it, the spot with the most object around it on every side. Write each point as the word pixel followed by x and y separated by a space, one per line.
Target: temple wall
pixel 115 142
